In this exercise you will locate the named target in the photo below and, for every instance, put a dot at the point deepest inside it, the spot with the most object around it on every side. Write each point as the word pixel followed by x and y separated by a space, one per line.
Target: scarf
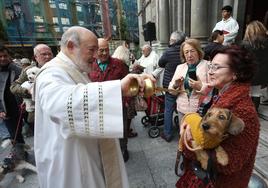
pixel 191 68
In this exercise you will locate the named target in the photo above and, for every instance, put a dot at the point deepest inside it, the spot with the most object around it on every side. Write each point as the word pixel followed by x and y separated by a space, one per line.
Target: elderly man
pixel 42 54
pixel 228 25
pixel 25 62
pixel 108 68
pixel 76 122
pixel 149 60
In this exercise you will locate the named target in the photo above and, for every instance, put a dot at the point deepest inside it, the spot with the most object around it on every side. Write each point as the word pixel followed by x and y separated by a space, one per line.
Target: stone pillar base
pixel 159 48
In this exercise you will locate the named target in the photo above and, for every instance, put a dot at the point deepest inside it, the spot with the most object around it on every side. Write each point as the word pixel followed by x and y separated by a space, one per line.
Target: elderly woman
pixel 189 77
pixel 230 71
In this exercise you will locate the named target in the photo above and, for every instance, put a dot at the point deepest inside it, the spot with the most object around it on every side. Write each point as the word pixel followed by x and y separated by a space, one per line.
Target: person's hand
pixel 184 127
pixel 188 133
pixel 125 82
pixel 136 68
pixel 225 32
pixel 30 91
pixel 2 115
pixel 178 83
pixel 195 84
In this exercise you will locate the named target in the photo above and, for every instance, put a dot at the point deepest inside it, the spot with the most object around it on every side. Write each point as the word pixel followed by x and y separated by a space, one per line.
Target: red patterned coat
pixel 115 70
pixel 241 149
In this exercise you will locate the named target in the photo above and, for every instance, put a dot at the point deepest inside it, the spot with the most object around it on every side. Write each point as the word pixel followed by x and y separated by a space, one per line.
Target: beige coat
pixel 187 104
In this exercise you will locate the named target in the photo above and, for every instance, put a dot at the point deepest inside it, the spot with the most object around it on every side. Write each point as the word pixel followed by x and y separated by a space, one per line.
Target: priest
pixel 77 123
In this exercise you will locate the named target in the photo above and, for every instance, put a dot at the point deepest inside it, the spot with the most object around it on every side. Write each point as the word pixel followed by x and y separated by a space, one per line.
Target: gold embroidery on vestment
pixel 70 113
pixel 101 123
pixel 86 113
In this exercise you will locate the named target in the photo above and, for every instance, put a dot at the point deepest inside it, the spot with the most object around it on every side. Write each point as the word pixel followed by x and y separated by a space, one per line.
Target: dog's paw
pixel 202 157
pixel 20 178
pixel 222 156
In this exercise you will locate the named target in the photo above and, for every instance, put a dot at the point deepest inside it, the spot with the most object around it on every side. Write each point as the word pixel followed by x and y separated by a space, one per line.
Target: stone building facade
pixel 196 18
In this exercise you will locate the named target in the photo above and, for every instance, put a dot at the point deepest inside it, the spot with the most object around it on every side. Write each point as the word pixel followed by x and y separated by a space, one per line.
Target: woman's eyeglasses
pixel 214 67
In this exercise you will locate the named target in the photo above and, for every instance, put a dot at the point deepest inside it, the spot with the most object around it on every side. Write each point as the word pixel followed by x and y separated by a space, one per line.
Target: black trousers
pixel 256 101
pixel 124 140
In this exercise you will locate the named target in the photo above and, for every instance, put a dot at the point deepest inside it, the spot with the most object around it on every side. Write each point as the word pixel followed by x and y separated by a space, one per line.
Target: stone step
pixel 261 163
pixel 263 111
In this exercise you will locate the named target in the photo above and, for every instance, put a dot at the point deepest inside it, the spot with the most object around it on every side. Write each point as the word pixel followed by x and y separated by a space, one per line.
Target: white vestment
pixel 70 121
pixel 150 64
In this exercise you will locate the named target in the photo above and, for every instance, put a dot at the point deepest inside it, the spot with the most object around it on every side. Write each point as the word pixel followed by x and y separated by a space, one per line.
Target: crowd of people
pixel 83 102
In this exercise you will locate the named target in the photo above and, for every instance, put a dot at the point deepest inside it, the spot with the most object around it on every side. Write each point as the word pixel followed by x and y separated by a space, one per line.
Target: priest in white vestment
pixel 77 123
pixel 149 60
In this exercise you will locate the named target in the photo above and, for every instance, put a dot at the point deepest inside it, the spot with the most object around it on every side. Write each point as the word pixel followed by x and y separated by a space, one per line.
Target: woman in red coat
pixel 230 71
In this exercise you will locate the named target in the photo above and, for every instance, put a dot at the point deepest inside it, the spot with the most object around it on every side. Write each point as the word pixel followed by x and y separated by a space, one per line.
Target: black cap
pixel 228 8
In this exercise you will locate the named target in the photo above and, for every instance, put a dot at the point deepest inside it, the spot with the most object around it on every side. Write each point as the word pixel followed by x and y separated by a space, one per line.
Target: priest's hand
pixel 127 83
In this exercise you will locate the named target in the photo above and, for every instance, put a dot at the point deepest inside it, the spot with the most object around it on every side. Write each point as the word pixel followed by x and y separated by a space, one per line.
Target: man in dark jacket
pixel 42 55
pixel 170 60
pixel 9 105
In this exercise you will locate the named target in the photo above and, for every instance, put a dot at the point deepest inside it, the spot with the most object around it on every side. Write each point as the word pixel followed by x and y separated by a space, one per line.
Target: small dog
pixel 31 74
pixel 208 132
pixel 16 162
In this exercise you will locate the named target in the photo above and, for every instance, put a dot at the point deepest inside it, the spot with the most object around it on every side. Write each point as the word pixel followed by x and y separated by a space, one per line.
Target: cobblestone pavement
pixel 151 163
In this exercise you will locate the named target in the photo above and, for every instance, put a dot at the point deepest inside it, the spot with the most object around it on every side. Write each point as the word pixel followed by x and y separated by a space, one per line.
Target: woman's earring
pixel 234 77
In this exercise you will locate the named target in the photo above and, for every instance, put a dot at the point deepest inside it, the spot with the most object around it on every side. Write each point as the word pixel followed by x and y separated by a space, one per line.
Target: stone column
pixel 240 16
pixel 214 14
pixel 163 21
pixel 186 17
pixel 228 2
pixel 139 6
pixel 172 15
pixel 180 15
pixel 199 19
pixel 162 26
pixel 176 15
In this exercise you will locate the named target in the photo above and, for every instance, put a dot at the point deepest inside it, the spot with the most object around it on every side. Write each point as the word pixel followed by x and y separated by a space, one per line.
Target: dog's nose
pixel 205 126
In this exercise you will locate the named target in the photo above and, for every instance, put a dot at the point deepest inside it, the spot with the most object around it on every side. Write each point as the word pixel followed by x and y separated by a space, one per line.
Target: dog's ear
pixel 236 125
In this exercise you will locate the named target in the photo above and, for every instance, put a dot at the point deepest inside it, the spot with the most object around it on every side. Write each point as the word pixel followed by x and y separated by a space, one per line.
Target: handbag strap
pixel 177 163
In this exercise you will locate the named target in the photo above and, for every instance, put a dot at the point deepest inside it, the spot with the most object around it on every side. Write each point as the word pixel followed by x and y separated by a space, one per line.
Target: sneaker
pixel 167 139
pixel 132 134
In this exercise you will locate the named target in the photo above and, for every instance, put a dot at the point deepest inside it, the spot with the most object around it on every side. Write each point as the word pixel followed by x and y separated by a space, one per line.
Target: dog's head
pixel 31 73
pixel 219 121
